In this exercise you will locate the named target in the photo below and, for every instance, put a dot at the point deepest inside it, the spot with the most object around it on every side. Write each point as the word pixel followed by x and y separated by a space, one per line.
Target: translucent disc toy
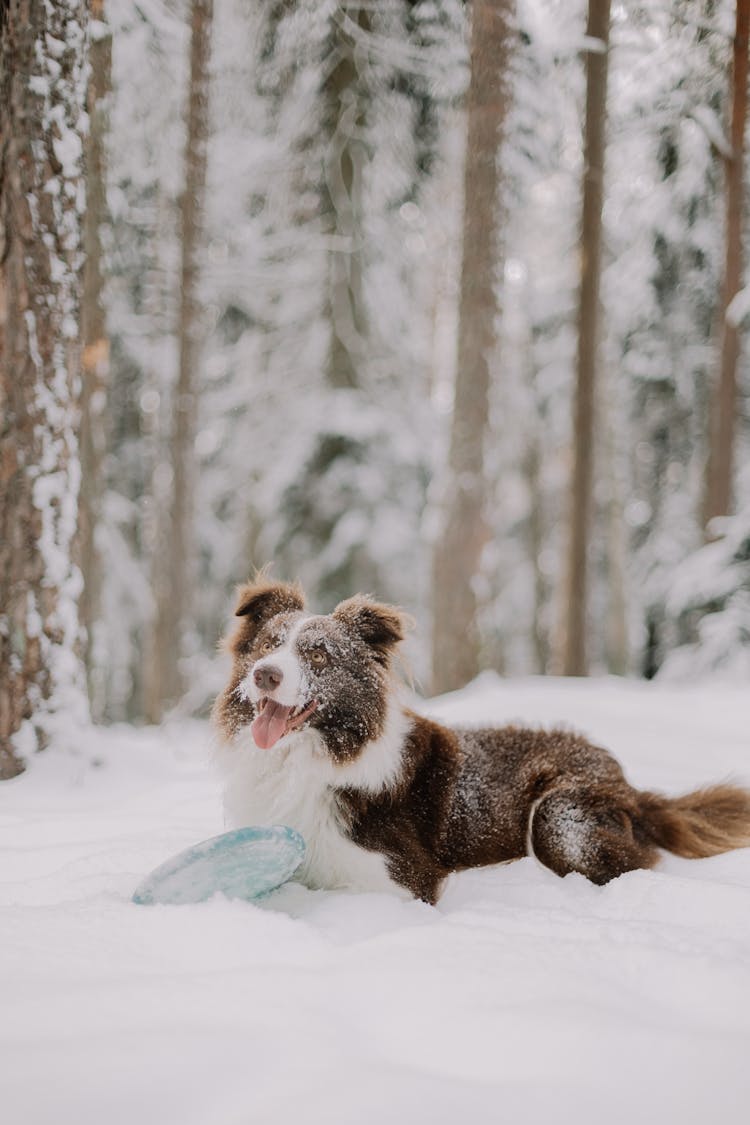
pixel 246 863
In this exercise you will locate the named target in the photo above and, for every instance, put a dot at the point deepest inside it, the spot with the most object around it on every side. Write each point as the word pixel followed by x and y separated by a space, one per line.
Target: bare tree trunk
pixel 174 588
pixel 597 32
pixel 342 204
pixel 42 95
pixel 455 643
pixel 155 428
pixel 95 358
pixel 718 498
pixel 617 551
pixel 532 467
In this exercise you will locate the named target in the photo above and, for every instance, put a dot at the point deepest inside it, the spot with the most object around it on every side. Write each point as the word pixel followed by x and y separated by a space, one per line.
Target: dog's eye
pixel 318 657
pixel 268 646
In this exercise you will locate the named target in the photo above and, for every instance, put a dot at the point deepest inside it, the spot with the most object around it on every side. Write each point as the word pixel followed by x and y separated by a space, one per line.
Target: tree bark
pixel 597 31
pixel 42 96
pixel 346 99
pixel 174 587
pixel 95 358
pixel 617 648
pixel 456 562
pixel 720 469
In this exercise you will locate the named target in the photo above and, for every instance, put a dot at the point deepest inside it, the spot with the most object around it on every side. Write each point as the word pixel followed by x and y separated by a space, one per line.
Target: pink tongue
pixel 270 724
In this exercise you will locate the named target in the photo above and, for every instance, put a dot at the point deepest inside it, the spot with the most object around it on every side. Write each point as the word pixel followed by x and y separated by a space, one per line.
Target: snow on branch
pixel 738 308
pixel 705 117
pixel 592 45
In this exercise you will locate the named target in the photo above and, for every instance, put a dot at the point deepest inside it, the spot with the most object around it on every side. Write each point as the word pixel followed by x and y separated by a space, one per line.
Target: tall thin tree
pixel 456 563
pixel 720 469
pixel 597 51
pixel 346 97
pixel 42 100
pixel 95 358
pixel 174 572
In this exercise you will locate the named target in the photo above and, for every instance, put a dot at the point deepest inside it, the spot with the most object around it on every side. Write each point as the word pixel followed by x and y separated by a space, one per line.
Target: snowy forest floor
pixel 521 997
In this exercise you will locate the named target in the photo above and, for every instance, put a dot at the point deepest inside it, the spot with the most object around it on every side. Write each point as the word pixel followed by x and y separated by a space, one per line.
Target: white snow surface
pixel 521 997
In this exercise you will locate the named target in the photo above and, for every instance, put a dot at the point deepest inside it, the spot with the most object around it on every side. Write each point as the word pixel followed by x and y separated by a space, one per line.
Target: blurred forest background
pixel 433 300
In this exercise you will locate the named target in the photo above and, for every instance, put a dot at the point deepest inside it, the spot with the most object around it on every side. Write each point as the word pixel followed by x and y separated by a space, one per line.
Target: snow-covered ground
pixel 520 998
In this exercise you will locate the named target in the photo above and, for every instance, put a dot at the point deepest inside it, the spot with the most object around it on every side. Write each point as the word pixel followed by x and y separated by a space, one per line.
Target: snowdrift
pixel 521 997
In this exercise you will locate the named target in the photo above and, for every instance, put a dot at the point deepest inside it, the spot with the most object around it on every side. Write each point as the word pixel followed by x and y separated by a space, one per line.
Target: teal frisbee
pixel 246 863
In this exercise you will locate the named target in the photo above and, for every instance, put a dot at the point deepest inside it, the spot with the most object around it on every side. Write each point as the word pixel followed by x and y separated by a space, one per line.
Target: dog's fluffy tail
pixel 706 822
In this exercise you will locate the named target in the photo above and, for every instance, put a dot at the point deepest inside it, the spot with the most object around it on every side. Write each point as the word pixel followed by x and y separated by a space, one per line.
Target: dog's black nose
pixel 268 677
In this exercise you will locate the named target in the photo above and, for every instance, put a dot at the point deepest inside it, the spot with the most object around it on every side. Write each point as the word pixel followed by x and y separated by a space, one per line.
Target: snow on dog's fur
pixel 313 735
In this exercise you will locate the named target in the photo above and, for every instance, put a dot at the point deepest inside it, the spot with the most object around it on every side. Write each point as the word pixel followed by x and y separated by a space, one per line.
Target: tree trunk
pixel 718 498
pixel 345 156
pixel 155 428
pixel 174 588
pixel 42 99
pixel 617 648
pixel 455 643
pixel 532 466
pixel 597 31
pixel 95 359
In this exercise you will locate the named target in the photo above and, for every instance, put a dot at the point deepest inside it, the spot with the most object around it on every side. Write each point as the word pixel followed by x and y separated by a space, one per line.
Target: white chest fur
pixel 295 783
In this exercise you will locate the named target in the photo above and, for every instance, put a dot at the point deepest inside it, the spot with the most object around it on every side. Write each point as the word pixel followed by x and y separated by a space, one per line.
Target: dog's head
pixel 293 670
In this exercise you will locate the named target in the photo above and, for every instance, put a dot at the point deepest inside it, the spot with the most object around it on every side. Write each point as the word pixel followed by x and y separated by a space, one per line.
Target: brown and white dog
pixel 313 735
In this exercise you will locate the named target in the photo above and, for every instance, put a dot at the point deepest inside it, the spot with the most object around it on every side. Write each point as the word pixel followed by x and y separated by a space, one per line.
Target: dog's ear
pixel 262 599
pixel 382 627
pixel 257 602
